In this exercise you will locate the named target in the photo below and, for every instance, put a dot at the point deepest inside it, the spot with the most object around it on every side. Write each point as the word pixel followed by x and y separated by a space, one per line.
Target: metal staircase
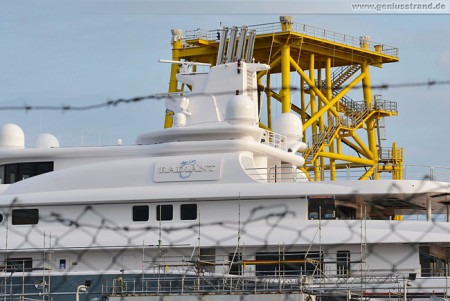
pixel 338 77
pixel 341 74
pixel 318 141
pixel 356 114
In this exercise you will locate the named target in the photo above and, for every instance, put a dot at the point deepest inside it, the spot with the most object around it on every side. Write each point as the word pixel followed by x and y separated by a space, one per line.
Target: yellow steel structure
pixel 342 134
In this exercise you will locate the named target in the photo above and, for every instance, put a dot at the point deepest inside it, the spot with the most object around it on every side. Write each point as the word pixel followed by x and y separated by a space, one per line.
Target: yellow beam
pixel 355 147
pixel 261 125
pixel 194 51
pixel 368 173
pixel 173 84
pixel 258 91
pixel 366 152
pixel 273 64
pixel 328 78
pixel 321 119
pixel 370 123
pixel 269 102
pixel 286 78
pixel 329 97
pixel 339 145
pixel 312 101
pixel 312 95
pixel 346 158
pixel 330 104
pixel 312 86
pixel 302 105
pixel 278 98
pixel 340 166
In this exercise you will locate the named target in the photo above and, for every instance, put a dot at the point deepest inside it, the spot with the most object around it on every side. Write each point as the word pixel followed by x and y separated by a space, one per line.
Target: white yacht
pixel 214 207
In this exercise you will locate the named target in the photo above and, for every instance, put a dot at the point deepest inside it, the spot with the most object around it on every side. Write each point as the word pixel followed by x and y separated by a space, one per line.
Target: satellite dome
pixel 179 120
pixel 289 125
pixel 46 141
pixel 241 110
pixel 11 136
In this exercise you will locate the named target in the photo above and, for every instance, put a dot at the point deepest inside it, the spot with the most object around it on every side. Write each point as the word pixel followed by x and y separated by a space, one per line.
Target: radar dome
pixel 241 110
pixel 11 136
pixel 46 141
pixel 289 125
pixel 179 120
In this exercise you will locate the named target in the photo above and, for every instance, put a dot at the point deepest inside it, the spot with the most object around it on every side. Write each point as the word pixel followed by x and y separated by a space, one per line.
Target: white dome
pixel 179 120
pixel 46 141
pixel 11 136
pixel 289 125
pixel 241 110
pixel 177 104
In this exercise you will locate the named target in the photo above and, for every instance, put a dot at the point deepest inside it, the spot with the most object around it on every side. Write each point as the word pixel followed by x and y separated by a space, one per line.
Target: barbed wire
pixel 159 96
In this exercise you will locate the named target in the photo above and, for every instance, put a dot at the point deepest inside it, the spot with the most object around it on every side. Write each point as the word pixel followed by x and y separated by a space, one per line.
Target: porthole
pixel 1 218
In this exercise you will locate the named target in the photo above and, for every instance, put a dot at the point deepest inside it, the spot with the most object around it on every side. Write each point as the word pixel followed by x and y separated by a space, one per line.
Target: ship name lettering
pixel 187 168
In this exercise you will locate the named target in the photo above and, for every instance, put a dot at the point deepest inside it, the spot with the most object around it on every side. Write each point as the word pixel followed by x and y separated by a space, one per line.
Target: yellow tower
pixel 320 73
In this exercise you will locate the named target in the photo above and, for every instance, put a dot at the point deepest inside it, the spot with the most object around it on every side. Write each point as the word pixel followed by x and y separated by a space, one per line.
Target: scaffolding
pixel 320 71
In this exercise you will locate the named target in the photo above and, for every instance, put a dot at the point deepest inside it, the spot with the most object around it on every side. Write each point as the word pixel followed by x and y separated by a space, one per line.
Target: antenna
pixel 250 46
pixel 241 43
pixel 184 63
pixel 231 44
pixel 222 45
pixel 185 66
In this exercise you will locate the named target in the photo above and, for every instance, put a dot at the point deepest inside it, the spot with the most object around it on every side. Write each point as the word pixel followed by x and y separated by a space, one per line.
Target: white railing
pixel 275 140
pixel 307 30
pixel 345 172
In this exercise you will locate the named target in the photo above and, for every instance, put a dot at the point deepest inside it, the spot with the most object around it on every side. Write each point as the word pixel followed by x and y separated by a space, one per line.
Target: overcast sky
pixel 81 53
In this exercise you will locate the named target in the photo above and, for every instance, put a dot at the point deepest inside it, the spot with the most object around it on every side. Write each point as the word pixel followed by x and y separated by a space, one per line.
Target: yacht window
pixel 321 208
pixel 140 213
pixel 2 174
pixel 343 262
pixel 20 171
pixel 164 212
pixel 1 218
pixel 10 175
pixel 19 264
pixel 62 264
pixel 345 212
pixel 313 215
pixel 235 263
pixel 207 260
pixel 26 170
pixel 25 216
pixel 188 212
pixel 43 167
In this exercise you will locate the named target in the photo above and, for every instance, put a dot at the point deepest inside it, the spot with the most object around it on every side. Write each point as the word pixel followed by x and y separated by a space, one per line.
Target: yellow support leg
pixel 286 78
pixel 329 97
pixel 302 105
pixel 366 152
pixel 313 87
pixel 312 101
pixel 269 103
pixel 173 84
pixel 329 105
pixel 370 123
pixel 321 119
pixel 368 174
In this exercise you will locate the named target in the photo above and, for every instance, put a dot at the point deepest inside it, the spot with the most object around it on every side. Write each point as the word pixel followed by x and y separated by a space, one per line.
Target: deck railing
pixel 307 30
pixel 345 172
